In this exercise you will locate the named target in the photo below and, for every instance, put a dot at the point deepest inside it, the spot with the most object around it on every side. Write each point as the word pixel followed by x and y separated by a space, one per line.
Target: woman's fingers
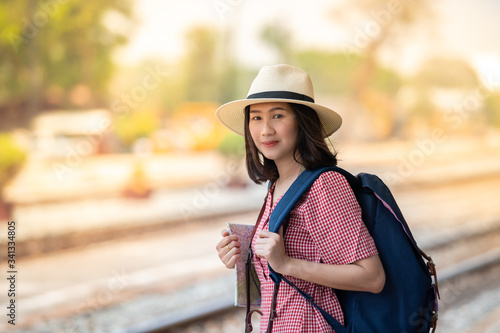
pixel 228 249
pixel 227 243
pixel 233 244
pixel 270 245
pixel 265 243
pixel 231 257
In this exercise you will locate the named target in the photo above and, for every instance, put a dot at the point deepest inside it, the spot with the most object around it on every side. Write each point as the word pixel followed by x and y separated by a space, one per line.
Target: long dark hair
pixel 311 146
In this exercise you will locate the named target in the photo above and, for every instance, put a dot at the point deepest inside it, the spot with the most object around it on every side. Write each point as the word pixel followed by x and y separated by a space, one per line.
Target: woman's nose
pixel 267 129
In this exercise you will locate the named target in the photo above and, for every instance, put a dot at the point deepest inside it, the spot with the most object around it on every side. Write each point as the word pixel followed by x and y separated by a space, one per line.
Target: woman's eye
pixel 277 116
pixel 256 118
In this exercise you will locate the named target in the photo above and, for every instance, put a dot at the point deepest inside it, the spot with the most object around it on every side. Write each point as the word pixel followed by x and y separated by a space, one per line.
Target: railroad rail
pixel 164 284
pixel 467 263
pixel 471 268
pixel 466 260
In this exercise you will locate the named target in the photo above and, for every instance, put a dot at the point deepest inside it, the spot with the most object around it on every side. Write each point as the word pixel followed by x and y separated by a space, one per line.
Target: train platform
pixel 122 283
pixel 141 272
pixel 95 194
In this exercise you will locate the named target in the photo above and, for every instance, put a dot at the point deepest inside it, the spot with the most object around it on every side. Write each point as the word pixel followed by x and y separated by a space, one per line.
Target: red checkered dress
pixel 325 226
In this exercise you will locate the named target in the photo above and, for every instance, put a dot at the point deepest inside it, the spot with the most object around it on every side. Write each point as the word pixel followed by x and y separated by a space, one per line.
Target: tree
pixel 332 75
pixel 279 38
pixel 451 91
pixel 208 70
pixel 492 109
pixel 12 157
pixel 446 73
pixel 200 65
pixel 383 24
pixel 57 54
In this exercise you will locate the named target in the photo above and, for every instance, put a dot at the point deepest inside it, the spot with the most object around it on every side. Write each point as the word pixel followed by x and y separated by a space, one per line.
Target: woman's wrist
pixel 287 268
pixel 301 269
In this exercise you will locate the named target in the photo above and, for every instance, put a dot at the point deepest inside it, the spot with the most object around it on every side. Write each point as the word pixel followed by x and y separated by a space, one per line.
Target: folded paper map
pixel 244 233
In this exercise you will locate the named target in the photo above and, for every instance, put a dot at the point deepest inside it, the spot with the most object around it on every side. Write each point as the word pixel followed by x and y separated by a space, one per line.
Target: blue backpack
pixel 408 302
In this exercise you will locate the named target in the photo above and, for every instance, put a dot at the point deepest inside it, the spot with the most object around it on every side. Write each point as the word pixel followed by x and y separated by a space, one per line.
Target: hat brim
pixel 232 115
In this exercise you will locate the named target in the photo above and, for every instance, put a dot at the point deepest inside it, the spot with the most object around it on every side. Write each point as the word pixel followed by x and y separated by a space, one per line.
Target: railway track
pixel 468 267
pixel 457 282
pixel 467 284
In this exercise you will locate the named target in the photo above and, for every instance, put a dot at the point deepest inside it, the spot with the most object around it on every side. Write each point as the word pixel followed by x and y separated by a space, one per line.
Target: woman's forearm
pixel 363 275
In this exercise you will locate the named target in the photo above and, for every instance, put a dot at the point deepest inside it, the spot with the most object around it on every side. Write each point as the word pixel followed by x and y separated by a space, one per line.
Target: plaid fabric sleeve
pixel 333 217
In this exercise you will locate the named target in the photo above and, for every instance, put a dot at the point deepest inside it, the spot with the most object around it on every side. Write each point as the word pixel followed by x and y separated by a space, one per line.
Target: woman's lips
pixel 269 143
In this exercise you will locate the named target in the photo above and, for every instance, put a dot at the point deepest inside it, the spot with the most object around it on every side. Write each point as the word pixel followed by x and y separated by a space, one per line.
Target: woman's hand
pixel 363 275
pixel 271 246
pixel 229 249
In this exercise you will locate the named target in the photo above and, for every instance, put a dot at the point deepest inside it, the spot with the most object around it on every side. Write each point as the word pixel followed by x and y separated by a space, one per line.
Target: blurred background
pixel 119 177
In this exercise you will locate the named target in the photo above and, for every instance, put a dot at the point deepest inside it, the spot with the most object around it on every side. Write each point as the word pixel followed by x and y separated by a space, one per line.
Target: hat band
pixel 281 95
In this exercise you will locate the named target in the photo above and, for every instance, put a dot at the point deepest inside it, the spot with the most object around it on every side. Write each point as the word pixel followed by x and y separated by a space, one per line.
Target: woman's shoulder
pixel 330 181
pixel 328 186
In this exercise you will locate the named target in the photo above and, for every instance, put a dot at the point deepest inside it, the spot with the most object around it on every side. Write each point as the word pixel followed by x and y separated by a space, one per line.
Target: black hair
pixel 311 147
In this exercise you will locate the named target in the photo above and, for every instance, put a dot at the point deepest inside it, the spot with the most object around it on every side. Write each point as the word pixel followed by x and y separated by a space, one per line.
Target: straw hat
pixel 278 83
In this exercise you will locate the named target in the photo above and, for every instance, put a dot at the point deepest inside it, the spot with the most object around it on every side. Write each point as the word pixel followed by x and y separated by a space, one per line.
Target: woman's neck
pixel 288 171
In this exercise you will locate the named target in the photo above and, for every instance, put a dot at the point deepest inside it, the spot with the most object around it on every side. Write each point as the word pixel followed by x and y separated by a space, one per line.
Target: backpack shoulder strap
pixel 279 215
pixel 297 189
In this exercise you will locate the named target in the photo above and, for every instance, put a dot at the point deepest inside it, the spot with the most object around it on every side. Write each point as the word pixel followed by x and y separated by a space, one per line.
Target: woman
pixel 326 244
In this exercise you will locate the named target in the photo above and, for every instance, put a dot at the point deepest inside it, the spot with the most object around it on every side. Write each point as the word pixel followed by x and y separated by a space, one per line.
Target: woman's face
pixel 274 130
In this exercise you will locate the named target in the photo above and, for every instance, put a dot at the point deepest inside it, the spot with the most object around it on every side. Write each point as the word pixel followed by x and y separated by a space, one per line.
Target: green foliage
pixel 334 73
pixel 232 145
pixel 50 47
pixel 12 158
pixel 280 39
pixel 386 80
pixel 492 109
pixel 206 72
pixel 200 65
pixel 136 125
pixel 447 73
